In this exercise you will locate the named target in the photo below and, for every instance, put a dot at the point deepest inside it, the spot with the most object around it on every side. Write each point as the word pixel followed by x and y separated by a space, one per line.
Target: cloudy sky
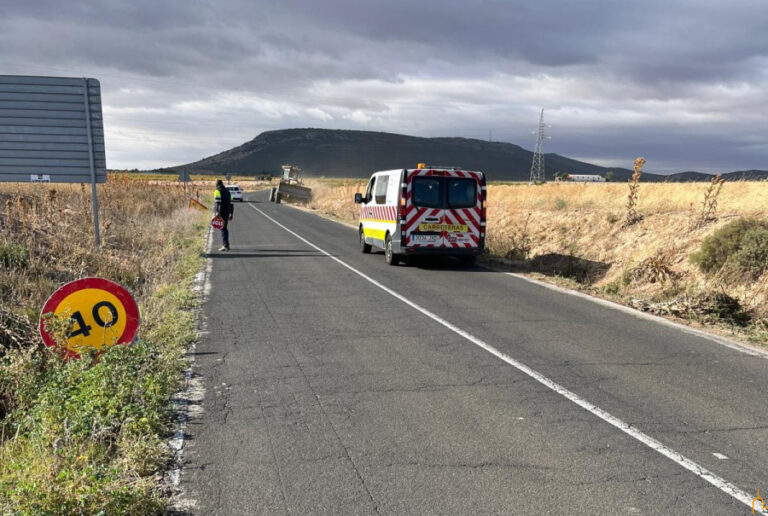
pixel 683 83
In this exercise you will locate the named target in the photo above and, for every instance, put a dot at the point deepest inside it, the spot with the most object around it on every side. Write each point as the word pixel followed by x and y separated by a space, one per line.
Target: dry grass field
pixel 575 233
pixel 47 236
pixel 87 436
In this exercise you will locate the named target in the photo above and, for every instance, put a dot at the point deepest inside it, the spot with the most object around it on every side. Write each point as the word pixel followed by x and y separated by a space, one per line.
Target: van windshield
pixel 444 192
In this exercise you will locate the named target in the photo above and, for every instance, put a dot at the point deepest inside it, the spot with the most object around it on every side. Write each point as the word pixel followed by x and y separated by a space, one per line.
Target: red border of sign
pixel 117 290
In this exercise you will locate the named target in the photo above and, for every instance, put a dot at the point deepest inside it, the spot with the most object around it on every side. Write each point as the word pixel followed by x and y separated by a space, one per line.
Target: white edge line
pixel 193 389
pixel 650 317
pixel 649 441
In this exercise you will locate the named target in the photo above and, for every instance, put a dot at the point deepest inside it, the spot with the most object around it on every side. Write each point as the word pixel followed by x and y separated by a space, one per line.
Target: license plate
pixel 423 238
pixel 451 228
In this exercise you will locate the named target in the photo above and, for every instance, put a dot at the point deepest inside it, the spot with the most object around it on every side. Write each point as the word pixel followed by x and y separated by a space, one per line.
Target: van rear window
pixel 444 192
pixel 428 192
pixel 460 192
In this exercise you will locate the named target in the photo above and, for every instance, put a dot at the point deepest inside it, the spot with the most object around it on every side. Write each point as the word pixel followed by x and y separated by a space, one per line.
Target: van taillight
pixel 402 208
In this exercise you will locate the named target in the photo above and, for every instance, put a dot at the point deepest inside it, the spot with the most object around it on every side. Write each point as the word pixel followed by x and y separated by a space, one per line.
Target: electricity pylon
pixel 537 166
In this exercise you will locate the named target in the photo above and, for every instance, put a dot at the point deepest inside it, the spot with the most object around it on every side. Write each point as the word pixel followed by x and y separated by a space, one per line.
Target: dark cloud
pixel 683 80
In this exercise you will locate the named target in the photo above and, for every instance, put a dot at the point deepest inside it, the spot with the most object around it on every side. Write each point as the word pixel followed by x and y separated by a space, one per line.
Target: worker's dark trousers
pixel 225 234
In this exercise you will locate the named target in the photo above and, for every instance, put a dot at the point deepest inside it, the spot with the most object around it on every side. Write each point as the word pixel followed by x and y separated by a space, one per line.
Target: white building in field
pixel 584 178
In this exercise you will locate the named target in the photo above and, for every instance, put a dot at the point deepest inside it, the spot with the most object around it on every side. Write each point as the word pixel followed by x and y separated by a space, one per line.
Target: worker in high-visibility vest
pixel 222 206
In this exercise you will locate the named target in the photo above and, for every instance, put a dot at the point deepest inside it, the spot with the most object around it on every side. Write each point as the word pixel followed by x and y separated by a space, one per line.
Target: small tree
pixel 609 176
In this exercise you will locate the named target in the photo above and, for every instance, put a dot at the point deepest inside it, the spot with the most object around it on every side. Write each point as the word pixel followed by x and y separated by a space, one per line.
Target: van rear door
pixel 462 213
pixel 424 211
pixel 443 209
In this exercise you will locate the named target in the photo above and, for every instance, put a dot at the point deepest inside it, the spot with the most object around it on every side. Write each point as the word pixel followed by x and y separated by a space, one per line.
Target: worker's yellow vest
pixel 216 194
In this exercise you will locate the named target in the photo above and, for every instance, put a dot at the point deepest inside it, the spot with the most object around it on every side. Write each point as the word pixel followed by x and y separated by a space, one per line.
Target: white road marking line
pixel 649 441
pixel 643 315
pixel 720 456
pixel 187 403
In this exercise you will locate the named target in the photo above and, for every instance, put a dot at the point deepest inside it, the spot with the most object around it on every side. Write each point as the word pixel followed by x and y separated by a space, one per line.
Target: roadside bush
pixel 752 256
pixel 742 245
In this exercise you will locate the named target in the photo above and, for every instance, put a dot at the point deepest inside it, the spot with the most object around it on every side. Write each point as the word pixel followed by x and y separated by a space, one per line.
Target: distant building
pixel 583 178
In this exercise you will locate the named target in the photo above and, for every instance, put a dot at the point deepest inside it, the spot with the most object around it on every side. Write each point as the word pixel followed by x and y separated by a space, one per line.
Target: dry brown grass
pixel 335 197
pixel 51 225
pixel 661 242
pixel 647 260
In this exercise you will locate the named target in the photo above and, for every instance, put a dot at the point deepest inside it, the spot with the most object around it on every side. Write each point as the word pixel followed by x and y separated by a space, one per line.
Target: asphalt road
pixel 326 394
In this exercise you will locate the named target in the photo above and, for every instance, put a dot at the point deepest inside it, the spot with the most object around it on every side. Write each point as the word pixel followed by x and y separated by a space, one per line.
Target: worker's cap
pixel 219 182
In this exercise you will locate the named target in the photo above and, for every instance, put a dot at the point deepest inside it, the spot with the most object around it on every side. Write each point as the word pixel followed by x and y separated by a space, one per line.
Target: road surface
pixel 336 384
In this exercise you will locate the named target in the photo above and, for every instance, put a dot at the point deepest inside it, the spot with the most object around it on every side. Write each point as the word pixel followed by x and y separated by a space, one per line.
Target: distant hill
pixel 682 177
pixel 739 175
pixel 747 175
pixel 345 153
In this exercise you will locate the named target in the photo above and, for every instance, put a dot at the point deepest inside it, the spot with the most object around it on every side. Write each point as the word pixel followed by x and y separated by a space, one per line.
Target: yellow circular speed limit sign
pixel 97 313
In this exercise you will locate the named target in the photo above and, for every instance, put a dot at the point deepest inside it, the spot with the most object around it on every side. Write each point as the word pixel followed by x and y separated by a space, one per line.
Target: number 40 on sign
pixel 98 313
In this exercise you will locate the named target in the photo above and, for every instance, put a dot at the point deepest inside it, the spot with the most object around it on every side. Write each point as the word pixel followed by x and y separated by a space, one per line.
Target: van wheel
pixel 272 194
pixel 389 256
pixel 277 197
pixel 365 248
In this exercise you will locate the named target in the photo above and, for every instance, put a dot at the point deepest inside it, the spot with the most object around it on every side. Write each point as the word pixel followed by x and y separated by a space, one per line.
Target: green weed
pixel 12 255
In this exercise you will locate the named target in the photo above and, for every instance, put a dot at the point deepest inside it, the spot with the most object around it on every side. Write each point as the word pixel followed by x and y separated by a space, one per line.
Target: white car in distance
pixel 236 192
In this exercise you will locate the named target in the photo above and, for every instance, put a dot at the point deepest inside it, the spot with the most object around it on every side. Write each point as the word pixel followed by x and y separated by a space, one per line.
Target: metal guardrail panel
pixel 44 129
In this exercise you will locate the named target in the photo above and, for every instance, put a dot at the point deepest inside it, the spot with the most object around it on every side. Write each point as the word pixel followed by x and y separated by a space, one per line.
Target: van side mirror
pixel 358 198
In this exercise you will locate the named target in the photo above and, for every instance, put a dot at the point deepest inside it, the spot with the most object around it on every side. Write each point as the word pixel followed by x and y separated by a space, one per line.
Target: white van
pixel 424 211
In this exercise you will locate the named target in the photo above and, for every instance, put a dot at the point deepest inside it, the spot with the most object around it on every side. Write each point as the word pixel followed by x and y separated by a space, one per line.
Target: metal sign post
pixel 51 130
pixel 94 198
pixel 184 178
